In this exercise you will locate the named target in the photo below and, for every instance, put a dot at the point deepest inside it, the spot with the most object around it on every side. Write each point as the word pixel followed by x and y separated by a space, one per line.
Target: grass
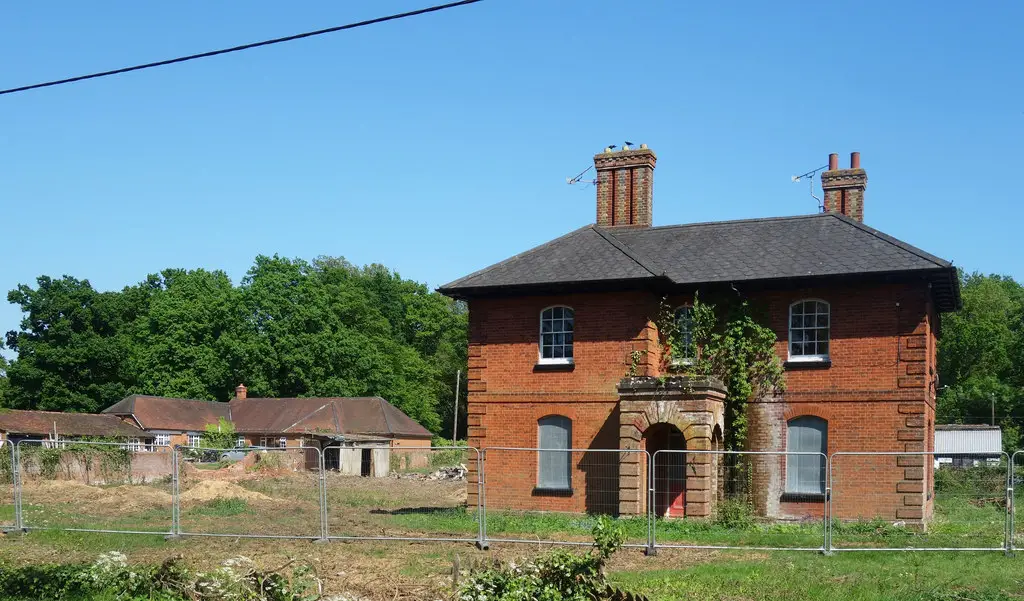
pixel 222 508
pixel 852 577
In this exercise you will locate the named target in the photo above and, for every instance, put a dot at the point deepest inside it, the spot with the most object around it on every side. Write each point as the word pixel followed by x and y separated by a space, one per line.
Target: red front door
pixel 669 473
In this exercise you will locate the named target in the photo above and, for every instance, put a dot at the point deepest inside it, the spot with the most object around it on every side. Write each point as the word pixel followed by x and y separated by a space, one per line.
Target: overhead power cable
pixel 192 57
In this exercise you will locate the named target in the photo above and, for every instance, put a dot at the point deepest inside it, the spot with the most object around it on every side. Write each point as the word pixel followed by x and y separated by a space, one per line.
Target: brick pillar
pixel 844 188
pixel 625 187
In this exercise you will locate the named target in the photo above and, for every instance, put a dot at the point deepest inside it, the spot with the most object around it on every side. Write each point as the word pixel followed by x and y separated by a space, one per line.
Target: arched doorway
pixel 669 469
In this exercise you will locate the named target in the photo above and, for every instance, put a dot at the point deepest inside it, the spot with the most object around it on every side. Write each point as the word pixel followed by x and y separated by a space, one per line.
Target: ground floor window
pixel 805 474
pixel 194 440
pixel 162 440
pixel 240 442
pixel 554 471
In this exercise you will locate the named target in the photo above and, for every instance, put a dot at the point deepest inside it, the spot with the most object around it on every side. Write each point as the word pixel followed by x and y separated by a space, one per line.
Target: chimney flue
pixel 241 391
pixel 844 188
pixel 625 187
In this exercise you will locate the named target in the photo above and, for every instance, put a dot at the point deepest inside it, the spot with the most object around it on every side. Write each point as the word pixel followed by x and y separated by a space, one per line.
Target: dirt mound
pixel 63 490
pixel 132 498
pixel 208 490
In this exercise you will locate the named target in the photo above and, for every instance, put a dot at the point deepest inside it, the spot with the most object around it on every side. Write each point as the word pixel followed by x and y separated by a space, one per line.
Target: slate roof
pixel 820 245
pixel 42 423
pixel 324 415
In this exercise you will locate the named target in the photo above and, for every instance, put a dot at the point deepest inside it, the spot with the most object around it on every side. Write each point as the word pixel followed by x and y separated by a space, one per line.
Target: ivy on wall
pixel 729 344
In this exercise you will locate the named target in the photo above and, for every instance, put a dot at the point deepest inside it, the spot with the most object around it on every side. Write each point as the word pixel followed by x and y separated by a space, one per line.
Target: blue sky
pixel 440 144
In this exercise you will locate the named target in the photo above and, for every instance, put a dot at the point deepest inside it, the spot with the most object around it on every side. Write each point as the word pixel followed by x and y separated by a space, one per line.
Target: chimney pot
pixel 241 391
pixel 844 188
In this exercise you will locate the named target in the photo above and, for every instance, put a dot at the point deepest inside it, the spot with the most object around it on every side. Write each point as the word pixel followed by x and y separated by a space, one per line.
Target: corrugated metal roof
pixel 42 423
pixel 976 440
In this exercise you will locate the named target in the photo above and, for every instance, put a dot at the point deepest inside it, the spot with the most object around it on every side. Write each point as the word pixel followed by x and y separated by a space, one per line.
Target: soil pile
pixel 208 490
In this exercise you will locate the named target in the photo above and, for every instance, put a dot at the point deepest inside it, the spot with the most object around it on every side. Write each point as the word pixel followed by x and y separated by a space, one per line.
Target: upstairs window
pixel 555 460
pixel 556 335
pixel 805 474
pixel 809 324
pixel 684 352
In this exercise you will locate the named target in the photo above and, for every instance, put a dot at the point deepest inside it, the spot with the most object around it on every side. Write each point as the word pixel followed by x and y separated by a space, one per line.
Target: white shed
pixel 966 445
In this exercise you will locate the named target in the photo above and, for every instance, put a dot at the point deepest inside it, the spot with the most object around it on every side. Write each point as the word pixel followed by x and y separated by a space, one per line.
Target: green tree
pixel 220 435
pixel 71 354
pixel 181 346
pixel 980 355
pixel 3 380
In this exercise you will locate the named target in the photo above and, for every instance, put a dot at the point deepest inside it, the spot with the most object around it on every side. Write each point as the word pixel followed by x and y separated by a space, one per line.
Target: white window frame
pixel 282 442
pixel 240 442
pixel 681 361
pixel 265 442
pixel 562 419
pixel 195 439
pixel 540 339
pixel 162 440
pixel 793 461
pixel 818 357
pixel 133 443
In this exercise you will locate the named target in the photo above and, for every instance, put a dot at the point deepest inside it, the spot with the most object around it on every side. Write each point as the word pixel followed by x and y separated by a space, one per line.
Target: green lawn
pixel 850 577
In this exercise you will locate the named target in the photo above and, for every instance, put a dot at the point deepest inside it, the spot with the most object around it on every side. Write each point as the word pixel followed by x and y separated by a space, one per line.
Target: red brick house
pixel 856 313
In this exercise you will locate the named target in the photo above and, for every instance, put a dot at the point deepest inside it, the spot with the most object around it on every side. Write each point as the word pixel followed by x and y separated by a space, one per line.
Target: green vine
pixel 731 345
pixel 109 462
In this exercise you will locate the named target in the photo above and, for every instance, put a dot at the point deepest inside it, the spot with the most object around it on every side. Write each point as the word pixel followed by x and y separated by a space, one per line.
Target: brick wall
pixel 878 393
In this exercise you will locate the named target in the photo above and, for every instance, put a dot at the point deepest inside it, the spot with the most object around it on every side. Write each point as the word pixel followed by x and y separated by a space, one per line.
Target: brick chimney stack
pixel 241 391
pixel 625 187
pixel 844 188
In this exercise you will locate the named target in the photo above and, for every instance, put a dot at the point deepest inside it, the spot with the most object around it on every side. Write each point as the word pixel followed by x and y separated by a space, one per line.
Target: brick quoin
pixel 877 393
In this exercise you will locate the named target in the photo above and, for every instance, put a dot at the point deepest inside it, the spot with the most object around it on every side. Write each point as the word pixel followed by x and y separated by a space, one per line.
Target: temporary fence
pixel 896 501
pixel 250 492
pixel 93 486
pixel 696 499
pixel 8 491
pixel 379 492
pixel 557 502
pixel 740 500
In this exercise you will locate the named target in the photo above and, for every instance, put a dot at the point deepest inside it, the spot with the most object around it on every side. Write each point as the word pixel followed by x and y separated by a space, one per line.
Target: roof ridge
pixel 730 222
pixel 384 412
pixel 939 262
pixel 646 263
pixel 513 258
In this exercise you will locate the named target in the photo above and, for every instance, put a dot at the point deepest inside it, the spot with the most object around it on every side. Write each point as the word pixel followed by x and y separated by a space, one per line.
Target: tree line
pixel 290 328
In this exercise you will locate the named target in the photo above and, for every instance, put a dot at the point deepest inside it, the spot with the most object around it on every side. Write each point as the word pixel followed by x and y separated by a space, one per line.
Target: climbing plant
pixel 729 344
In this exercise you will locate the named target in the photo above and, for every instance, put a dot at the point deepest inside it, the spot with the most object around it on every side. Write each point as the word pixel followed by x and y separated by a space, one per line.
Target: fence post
pixel 1011 508
pixel 323 497
pixel 175 497
pixel 652 548
pixel 19 518
pixel 481 499
pixel 827 550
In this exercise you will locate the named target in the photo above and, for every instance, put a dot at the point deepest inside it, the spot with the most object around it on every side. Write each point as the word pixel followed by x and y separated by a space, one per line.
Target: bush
pixel 735 515
pixel 110 577
pixel 970 481
pixel 560 575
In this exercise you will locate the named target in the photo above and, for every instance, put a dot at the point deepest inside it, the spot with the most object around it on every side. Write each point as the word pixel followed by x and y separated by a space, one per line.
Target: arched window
pixel 805 474
pixel 554 469
pixel 809 324
pixel 556 335
pixel 684 352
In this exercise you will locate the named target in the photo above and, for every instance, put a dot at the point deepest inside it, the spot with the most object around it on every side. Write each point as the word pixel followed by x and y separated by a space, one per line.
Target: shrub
pixel 734 514
pixel 560 575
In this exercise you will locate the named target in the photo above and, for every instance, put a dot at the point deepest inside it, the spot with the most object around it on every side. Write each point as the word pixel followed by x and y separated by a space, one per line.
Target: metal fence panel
pixel 541 495
pixel 94 486
pixel 384 492
pixel 739 500
pixel 910 501
pixel 8 517
pixel 251 492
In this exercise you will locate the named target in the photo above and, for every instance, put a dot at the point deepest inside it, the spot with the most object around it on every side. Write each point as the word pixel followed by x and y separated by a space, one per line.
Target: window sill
pixel 552 492
pixel 813 364
pixel 797 497
pixel 554 367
